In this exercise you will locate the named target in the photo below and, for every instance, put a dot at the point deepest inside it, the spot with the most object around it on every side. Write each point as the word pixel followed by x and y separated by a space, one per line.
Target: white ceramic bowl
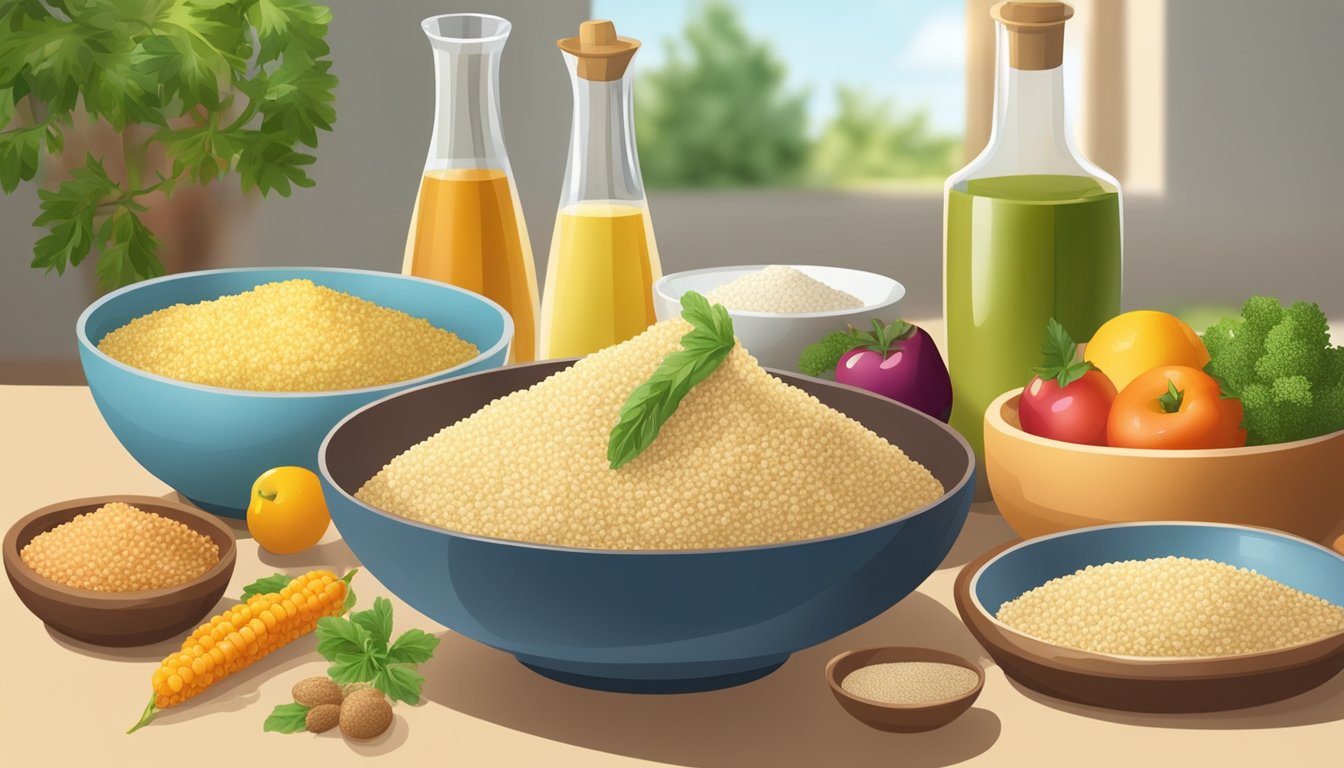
pixel 776 339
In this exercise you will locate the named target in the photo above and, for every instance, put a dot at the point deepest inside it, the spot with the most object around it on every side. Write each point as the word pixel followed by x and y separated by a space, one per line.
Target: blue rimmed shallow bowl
pixel 208 443
pixel 640 621
pixel 1152 684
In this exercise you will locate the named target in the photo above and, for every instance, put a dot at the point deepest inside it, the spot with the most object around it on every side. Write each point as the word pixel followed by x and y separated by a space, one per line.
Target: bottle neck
pixel 603 163
pixel 1030 122
pixel 467 132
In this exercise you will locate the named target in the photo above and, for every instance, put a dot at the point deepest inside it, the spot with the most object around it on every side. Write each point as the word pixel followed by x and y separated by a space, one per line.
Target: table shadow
pixel 787 719
pixel 985 528
pixel 1323 704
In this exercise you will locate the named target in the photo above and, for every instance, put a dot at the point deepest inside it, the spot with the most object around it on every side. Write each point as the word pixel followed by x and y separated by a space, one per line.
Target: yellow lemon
pixel 1130 344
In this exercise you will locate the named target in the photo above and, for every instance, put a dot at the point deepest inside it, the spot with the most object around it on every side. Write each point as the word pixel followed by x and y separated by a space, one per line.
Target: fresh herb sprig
pixel 652 403
pixel 218 86
pixel 361 650
pixel 1059 353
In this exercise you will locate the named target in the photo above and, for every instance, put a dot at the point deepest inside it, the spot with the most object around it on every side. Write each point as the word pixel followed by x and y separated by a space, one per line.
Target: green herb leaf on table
pixel 652 403
pixel 361 650
pixel 1059 353
pixel 415 646
pixel 400 683
pixel 287 718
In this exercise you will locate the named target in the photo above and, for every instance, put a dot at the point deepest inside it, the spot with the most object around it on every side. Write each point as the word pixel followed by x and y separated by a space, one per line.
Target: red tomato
pixel 1074 414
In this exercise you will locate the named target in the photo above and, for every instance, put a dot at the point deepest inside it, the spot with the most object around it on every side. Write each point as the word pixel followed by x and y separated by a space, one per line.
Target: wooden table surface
pixel 67 704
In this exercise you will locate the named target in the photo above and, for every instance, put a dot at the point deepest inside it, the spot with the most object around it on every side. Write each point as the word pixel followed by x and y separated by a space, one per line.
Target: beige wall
pixel 1254 163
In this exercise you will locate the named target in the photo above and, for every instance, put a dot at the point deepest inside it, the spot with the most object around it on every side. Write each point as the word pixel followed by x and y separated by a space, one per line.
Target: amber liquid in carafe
pixel 467 234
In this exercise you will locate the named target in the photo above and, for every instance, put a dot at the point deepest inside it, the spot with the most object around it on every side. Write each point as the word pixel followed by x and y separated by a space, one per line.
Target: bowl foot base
pixel 671 678
pixel 216 509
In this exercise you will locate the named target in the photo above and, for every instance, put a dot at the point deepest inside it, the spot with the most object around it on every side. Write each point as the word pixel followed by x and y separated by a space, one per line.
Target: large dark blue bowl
pixel 670 621
pixel 208 443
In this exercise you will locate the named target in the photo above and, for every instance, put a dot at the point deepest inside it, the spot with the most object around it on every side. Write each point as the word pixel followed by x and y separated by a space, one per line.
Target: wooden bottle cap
pixel 1035 33
pixel 602 55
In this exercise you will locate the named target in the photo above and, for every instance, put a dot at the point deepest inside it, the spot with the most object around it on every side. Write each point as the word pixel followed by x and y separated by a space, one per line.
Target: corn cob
pixel 241 635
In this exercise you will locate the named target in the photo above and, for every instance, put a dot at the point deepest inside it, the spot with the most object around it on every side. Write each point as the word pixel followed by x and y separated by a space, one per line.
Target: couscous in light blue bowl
pixel 208 443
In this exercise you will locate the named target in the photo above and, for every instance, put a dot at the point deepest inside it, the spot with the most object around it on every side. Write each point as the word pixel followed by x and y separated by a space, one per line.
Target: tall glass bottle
pixel 468 227
pixel 1032 229
pixel 603 261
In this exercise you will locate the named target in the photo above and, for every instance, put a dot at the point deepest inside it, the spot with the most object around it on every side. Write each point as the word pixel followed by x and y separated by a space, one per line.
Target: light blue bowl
pixel 209 443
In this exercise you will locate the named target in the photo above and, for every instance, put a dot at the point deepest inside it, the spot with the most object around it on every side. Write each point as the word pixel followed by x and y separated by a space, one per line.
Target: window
pixel 783 93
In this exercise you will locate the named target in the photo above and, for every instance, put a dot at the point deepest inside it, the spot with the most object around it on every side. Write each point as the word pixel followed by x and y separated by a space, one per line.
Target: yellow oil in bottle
pixel 599 285
pixel 468 233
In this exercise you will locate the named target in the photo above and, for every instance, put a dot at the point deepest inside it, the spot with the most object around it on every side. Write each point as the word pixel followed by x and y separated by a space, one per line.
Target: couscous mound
pixel 1171 606
pixel 287 336
pixel 745 460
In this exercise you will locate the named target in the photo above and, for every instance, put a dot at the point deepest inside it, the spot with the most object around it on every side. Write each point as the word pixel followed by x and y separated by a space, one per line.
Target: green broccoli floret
pixel 1279 362
pixel 821 358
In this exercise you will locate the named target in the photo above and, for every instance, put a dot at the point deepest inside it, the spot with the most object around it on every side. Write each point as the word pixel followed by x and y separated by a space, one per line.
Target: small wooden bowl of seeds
pixel 119 570
pixel 904 689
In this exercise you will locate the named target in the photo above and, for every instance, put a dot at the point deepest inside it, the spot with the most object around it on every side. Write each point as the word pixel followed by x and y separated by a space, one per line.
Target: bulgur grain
pixel 782 290
pixel 120 548
pixel 745 460
pixel 1171 606
pixel 910 682
pixel 288 336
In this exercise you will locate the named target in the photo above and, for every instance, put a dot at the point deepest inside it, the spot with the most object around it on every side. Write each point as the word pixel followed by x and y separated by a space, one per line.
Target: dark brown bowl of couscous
pixel 119 570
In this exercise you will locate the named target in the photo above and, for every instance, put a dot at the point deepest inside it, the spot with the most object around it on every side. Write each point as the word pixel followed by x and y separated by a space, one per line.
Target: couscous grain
pixel 782 290
pixel 910 682
pixel 1171 606
pixel 120 548
pixel 745 460
pixel 288 336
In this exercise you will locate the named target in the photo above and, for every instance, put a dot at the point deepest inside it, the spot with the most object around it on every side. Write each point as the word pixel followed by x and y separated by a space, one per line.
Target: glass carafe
pixel 1032 229
pixel 603 261
pixel 468 227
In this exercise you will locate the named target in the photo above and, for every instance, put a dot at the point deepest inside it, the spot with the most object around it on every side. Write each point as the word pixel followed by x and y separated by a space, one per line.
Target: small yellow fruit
pixel 1133 343
pixel 287 513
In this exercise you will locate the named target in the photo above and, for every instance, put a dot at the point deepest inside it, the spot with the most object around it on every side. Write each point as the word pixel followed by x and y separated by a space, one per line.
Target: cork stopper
pixel 602 55
pixel 1035 33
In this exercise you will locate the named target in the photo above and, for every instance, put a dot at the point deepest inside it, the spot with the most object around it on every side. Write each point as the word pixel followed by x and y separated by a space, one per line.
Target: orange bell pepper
pixel 1175 407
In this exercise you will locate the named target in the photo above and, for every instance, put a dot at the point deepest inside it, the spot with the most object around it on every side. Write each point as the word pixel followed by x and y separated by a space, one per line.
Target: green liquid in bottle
pixel 1020 250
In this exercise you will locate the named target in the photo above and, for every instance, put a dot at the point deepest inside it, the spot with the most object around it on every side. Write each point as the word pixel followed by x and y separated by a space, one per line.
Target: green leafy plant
pixel 361 650
pixel 224 85
pixel 652 403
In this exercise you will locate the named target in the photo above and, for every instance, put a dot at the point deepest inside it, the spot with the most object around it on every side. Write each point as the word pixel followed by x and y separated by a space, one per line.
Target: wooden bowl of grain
pixel 922 701
pixel 119 619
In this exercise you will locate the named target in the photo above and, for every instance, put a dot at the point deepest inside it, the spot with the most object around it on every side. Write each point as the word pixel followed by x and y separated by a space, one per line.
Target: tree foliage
pixel 719 113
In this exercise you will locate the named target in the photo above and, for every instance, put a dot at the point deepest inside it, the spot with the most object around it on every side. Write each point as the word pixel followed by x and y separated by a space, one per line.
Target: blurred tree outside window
pixel 786 93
